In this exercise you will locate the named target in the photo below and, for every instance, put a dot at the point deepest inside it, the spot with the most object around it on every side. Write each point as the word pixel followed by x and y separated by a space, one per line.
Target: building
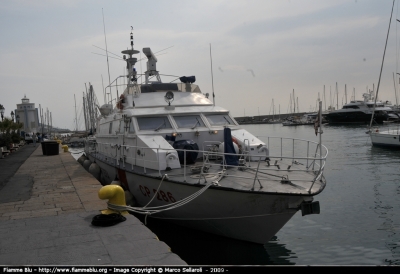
pixel 27 114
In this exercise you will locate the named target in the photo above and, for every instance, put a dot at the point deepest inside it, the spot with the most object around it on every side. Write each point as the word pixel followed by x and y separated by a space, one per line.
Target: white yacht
pixel 361 112
pixel 186 160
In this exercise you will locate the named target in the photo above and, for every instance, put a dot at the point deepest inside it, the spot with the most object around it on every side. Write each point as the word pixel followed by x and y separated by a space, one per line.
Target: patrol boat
pixel 186 160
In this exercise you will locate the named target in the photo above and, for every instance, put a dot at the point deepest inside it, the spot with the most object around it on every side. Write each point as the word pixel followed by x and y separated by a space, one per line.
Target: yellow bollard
pixel 65 147
pixel 115 195
pixel 58 141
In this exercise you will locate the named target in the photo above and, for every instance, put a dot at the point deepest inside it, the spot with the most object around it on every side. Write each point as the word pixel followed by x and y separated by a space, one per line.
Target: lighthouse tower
pixel 28 115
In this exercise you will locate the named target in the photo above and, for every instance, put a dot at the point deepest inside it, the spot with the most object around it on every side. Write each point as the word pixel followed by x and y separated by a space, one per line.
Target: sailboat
pixel 388 137
pixel 273 120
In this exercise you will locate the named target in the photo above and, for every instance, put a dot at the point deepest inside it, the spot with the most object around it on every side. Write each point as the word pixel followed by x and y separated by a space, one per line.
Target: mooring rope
pixel 157 209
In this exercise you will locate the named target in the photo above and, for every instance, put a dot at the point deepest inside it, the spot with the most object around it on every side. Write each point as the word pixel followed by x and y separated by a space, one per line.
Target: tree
pixel 8 132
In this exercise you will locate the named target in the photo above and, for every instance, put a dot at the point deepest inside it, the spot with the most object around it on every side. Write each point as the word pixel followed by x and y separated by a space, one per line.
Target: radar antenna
pixel 131 61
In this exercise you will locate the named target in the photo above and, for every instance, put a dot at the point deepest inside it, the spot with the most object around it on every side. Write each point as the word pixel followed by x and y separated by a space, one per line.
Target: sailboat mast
pixel 41 118
pixel 380 74
pixel 279 112
pixel 84 112
pixel 76 120
pixel 273 110
pixel 337 97
pixel 48 118
pixel 51 123
pixel 294 103
pixel 395 90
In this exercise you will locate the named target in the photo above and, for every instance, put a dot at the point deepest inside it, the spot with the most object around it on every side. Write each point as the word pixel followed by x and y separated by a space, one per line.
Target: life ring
pixel 121 101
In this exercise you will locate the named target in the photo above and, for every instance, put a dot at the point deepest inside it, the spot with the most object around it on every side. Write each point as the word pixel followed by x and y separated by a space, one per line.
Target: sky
pixel 262 51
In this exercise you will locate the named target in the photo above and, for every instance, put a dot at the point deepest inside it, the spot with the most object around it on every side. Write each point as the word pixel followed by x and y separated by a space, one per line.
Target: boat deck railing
pixel 284 154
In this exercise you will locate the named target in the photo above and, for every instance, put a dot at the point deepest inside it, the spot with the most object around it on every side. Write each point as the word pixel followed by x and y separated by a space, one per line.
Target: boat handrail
pixel 310 159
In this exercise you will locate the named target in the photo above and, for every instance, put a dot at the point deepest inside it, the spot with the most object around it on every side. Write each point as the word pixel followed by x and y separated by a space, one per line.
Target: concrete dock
pixel 46 207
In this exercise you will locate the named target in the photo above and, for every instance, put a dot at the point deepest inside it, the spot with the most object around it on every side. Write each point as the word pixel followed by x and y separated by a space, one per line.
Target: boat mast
pixel 76 120
pixel 294 103
pixel 41 118
pixel 89 112
pixel 51 123
pixel 212 77
pixel 395 90
pixel 131 70
pixel 380 74
pixel 105 40
pixel 104 91
pixel 273 110
pixel 48 119
pixel 337 97
pixel 279 112
pixel 85 112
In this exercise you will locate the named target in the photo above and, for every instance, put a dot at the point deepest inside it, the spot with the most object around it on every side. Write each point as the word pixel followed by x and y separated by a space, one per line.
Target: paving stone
pixel 62 188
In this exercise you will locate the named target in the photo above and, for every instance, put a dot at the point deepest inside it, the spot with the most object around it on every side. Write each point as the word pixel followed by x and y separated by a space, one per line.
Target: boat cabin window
pixel 377 105
pixel 219 119
pixel 191 121
pixel 354 107
pixel 153 123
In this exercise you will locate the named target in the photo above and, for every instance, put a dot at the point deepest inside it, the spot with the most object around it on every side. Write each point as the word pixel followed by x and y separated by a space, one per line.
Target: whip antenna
pixel 212 77
pixel 105 39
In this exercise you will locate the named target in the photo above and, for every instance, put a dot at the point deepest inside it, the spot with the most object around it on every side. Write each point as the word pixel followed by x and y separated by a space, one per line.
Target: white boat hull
pixel 242 215
pixel 388 138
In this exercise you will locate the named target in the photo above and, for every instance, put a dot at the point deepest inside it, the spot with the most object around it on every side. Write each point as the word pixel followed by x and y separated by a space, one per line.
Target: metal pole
pixel 380 74
pixel 320 133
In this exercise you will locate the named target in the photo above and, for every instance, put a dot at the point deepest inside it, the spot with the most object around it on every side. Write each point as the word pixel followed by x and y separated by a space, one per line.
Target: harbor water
pixel 359 223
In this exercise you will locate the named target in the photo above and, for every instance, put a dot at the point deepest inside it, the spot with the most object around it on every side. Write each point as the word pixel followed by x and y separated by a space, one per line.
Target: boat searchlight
pixel 169 97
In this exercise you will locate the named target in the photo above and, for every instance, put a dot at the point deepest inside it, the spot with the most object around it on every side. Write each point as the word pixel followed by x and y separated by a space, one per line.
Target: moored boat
pixel 385 138
pixel 389 137
pixel 188 161
pixel 360 112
